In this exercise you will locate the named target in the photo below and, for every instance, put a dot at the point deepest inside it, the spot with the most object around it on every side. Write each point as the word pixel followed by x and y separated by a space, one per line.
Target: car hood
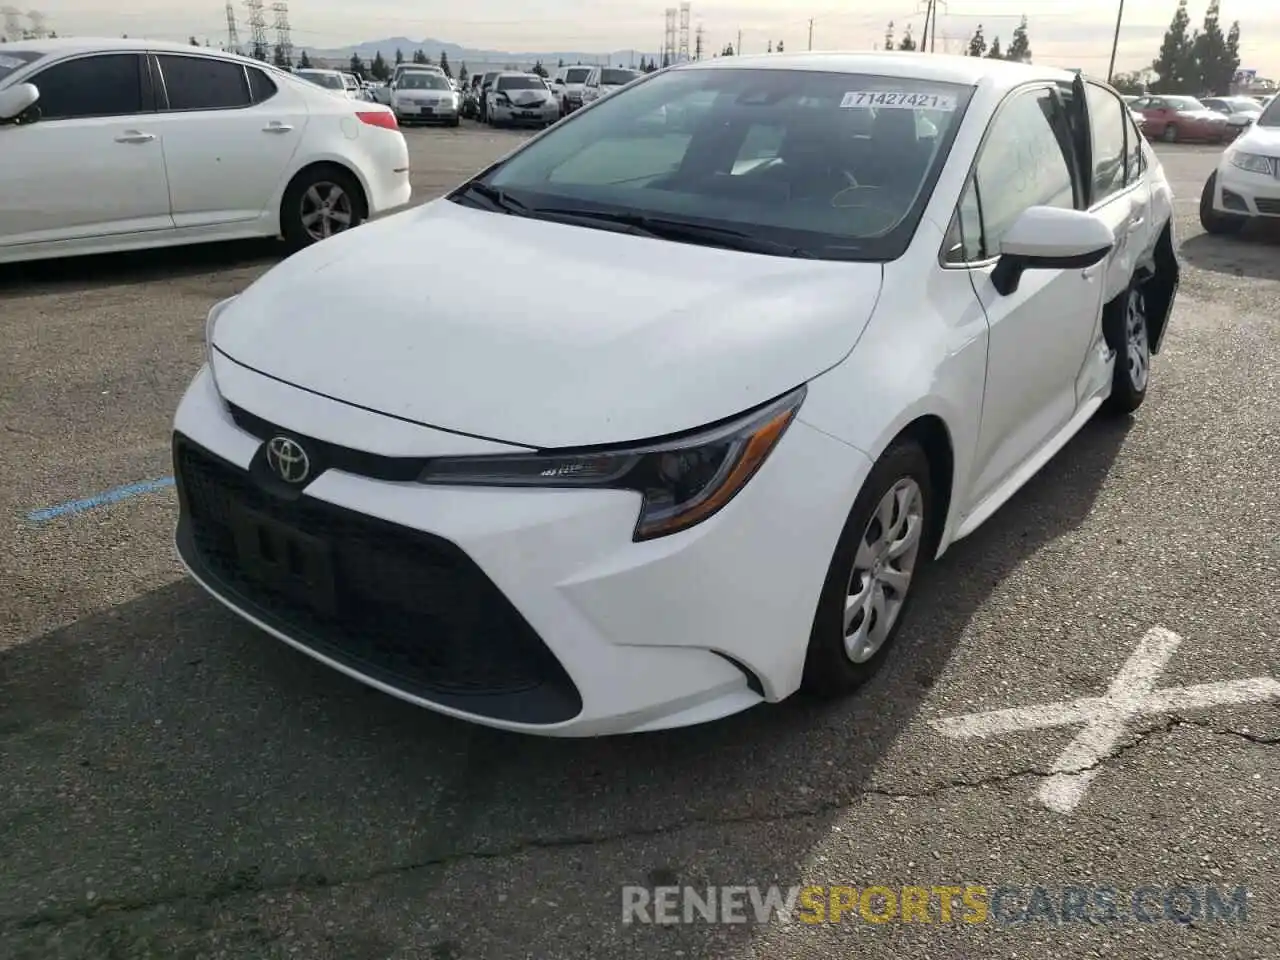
pixel 556 336
pixel 522 98
pixel 1264 140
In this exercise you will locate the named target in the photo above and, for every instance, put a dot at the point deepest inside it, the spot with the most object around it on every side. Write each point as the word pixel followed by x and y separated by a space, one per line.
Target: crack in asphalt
pixel 248 881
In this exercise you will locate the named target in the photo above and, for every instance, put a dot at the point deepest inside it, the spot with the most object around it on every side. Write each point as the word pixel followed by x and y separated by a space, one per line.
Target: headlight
pixel 1252 162
pixel 681 482
pixel 210 323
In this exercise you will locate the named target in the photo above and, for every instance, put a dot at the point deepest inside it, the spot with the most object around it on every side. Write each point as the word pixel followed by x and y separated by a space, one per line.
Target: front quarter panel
pixel 923 354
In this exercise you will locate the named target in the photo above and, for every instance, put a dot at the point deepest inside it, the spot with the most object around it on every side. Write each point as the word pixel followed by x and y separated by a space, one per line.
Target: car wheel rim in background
pixel 326 210
pixel 882 570
pixel 1139 347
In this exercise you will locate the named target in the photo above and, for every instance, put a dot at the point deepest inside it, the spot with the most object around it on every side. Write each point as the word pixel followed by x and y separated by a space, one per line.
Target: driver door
pixel 1039 333
pixel 93 164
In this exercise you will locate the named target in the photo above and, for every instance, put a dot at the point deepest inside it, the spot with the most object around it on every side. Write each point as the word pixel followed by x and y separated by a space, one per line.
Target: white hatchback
pixel 748 346
pixel 124 144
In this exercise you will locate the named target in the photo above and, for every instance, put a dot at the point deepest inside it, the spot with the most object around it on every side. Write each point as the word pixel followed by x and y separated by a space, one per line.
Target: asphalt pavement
pixel 175 784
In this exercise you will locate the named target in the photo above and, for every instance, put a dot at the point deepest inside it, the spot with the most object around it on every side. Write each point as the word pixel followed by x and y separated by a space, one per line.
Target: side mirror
pixel 17 100
pixel 1049 238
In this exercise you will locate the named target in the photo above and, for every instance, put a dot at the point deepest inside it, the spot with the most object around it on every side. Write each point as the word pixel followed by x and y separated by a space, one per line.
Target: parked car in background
pixel 328 79
pixel 421 97
pixel 695 448
pixel 521 99
pixel 188 145
pixel 486 84
pixel 1174 118
pixel 1246 185
pixel 403 68
pixel 567 84
pixel 602 81
pixel 1241 112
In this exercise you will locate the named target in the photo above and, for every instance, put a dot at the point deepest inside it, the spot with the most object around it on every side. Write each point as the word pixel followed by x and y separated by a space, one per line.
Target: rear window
pixel 837 165
pixel 617 77
pixel 577 75
pixel 521 83
pixel 329 81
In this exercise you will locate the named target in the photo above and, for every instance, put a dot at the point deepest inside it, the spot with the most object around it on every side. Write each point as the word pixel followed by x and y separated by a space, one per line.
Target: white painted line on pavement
pixel 1132 694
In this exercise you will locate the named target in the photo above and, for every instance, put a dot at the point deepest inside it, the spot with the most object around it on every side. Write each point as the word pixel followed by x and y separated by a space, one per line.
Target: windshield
pixel 9 62
pixel 577 75
pixel 616 78
pixel 1244 105
pixel 838 166
pixel 423 81
pixel 1271 115
pixel 1184 103
pixel 521 83
pixel 330 80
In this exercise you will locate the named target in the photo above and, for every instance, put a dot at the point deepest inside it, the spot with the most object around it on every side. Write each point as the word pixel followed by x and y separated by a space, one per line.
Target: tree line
pixel 1199 63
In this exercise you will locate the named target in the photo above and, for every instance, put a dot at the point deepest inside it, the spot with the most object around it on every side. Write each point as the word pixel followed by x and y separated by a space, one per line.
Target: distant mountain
pixel 475 58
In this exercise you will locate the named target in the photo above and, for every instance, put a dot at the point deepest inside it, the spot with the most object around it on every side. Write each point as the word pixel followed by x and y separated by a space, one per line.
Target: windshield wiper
pixel 680 231
pixel 498 198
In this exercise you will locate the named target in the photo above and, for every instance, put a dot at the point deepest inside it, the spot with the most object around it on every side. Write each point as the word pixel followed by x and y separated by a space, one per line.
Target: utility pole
pixel 738 48
pixel 811 33
pixel 1115 42
pixel 928 13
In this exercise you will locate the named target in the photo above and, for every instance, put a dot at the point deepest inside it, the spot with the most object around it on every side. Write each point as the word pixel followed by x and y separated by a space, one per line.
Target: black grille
pixel 1269 207
pixel 406 608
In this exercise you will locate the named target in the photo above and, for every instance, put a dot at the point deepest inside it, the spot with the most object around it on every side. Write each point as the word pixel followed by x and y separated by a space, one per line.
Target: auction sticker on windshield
pixel 900 100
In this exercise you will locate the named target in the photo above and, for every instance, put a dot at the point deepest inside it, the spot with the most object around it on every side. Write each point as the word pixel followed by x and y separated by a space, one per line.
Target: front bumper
pixel 425 113
pixel 544 616
pixel 1243 193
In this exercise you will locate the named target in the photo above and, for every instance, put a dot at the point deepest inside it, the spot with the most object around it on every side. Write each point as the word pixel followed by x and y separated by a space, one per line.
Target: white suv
pixel 567 86
pixel 602 81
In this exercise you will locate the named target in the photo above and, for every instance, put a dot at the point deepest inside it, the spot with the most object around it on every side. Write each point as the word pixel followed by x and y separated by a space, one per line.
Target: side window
pixel 1023 164
pixel 1136 165
pixel 964 239
pixel 261 86
pixel 104 85
pixel 1108 122
pixel 202 83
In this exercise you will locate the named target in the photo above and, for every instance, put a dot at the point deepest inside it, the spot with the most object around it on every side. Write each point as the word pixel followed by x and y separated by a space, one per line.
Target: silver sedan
pixel 521 99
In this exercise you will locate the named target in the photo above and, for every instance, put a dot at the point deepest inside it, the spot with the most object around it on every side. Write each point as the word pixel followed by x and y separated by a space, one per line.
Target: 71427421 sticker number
pixel 899 100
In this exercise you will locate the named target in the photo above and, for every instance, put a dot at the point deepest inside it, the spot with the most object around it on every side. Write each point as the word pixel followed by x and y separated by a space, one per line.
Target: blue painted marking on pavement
pixel 126 492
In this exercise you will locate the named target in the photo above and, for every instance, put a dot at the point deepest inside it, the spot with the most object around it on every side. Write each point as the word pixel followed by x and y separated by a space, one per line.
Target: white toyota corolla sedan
pixel 660 416
pixel 109 145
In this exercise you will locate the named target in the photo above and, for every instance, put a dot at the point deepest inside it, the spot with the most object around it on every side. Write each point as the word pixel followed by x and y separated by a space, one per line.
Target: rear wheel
pixel 884 545
pixel 320 202
pixel 1211 219
pixel 1132 370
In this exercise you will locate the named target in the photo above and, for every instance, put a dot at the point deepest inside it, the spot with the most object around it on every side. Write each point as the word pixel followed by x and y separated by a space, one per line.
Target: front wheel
pixel 1170 134
pixel 1132 372
pixel 884 544
pixel 318 204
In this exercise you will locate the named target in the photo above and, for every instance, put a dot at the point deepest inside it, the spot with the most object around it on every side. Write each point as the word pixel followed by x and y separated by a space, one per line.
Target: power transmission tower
pixel 257 28
pixel 669 38
pixel 13 28
pixel 38 29
pixel 683 53
pixel 284 43
pixel 697 43
pixel 233 34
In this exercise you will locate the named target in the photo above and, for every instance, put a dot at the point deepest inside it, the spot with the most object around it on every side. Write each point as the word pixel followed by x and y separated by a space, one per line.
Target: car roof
pixel 62 46
pixel 939 67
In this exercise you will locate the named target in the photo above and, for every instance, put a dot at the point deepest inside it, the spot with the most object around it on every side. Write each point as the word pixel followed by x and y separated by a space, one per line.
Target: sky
pixel 1067 33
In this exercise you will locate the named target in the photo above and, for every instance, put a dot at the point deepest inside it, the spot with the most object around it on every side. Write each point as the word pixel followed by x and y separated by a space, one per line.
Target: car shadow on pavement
pixel 163 752
pixel 1254 255
pixel 73 274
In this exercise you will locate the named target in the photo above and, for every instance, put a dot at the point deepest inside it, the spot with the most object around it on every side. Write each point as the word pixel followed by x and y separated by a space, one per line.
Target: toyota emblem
pixel 288 460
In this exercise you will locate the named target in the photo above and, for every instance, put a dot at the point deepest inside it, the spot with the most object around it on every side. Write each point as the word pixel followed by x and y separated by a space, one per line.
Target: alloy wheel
pixel 1137 343
pixel 882 569
pixel 326 209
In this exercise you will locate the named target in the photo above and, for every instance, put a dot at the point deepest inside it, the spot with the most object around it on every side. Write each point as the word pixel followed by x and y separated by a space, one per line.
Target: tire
pixel 831 668
pixel 1214 222
pixel 1132 373
pixel 455 122
pixel 335 191
pixel 1170 133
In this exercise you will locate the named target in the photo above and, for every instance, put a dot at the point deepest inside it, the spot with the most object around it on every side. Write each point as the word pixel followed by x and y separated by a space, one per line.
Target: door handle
pixel 277 127
pixel 135 136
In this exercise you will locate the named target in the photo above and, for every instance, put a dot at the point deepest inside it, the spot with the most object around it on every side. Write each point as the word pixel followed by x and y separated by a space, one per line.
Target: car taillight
pixel 379 118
